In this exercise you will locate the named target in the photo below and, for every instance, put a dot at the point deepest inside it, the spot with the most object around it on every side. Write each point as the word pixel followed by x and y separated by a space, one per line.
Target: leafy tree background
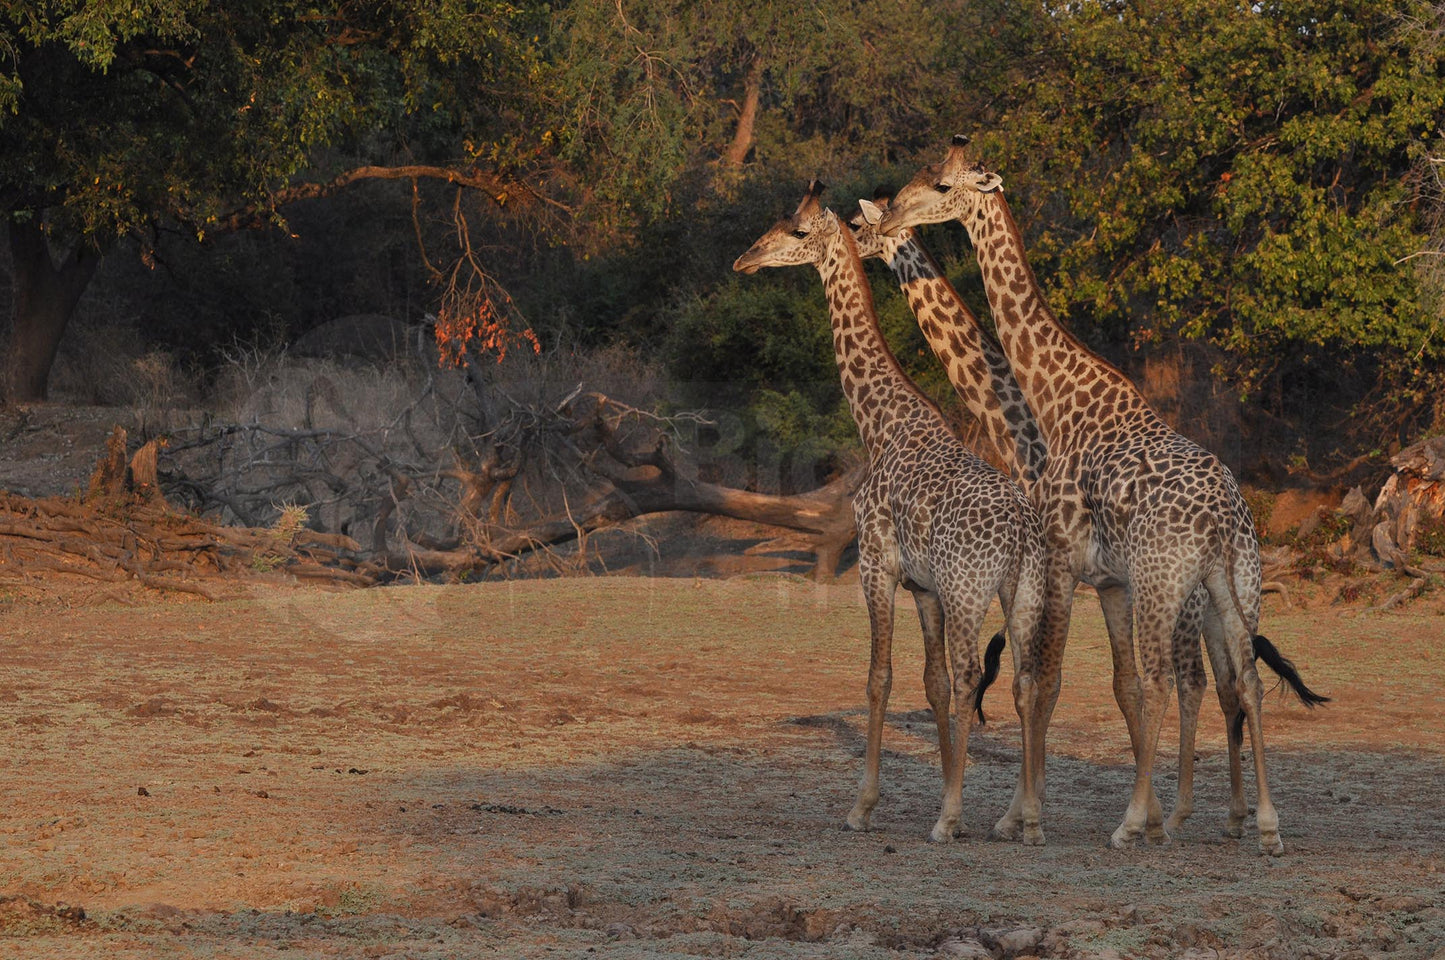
pixel 1247 193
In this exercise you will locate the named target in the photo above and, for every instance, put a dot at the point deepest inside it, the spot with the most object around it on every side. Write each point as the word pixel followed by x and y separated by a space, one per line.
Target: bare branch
pixel 501 190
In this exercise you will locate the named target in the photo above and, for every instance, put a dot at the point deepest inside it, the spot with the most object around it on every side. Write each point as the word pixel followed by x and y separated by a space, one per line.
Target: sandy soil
pixel 630 767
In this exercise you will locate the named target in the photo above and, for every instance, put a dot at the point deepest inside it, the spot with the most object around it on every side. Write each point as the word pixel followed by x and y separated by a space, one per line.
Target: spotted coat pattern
pixel 981 375
pixel 1130 506
pixel 974 361
pixel 932 516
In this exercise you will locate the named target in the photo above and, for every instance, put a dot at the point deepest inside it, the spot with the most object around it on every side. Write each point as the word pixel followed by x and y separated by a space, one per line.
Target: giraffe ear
pixel 988 182
pixel 871 211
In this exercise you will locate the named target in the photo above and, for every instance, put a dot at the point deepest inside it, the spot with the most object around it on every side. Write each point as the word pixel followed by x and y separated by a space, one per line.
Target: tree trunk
pixel 737 151
pixel 45 299
pixel 1412 501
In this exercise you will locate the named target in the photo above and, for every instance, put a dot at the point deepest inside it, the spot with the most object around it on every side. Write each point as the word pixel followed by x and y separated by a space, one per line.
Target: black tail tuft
pixel 990 672
pixel 1280 664
pixel 1236 726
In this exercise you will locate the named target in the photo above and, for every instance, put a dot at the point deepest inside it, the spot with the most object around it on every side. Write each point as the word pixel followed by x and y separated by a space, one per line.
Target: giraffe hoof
pixel 1234 830
pixel 1159 837
pixel 1033 837
pixel 943 833
pixel 1123 839
pixel 1176 820
pixel 856 822
pixel 1271 844
pixel 1007 829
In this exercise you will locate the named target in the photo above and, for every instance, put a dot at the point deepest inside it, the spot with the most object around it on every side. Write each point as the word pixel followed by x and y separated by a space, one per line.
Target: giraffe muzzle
pixel 744 265
pixel 892 223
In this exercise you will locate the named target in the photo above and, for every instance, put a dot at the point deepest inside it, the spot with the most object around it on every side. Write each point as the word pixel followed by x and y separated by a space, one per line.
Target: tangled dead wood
pixel 466 480
pixel 326 473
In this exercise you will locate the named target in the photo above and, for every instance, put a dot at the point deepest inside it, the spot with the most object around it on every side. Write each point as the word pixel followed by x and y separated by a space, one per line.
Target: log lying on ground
pixel 141 541
pixel 826 515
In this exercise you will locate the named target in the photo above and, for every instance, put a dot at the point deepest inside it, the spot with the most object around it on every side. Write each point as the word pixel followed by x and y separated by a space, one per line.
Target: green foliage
pixel 651 93
pixel 119 117
pixel 1331 529
pixel 1232 171
pixel 1254 175
pixel 1430 535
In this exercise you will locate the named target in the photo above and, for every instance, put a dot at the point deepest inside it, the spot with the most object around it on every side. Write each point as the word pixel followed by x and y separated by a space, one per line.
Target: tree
pixel 120 120
pixel 657 91
pixel 1244 173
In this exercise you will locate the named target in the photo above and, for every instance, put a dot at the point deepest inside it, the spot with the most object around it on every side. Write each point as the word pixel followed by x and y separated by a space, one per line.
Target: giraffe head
pixel 951 190
pixel 801 237
pixel 864 224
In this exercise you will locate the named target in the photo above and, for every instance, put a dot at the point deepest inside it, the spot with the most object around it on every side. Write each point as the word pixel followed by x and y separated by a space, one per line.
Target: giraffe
pixel 1129 505
pixel 980 374
pixel 959 341
pixel 931 517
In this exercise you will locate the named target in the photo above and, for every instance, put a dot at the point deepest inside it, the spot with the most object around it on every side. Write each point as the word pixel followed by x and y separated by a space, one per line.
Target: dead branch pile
pixel 464 473
pixel 541 477
pixel 328 472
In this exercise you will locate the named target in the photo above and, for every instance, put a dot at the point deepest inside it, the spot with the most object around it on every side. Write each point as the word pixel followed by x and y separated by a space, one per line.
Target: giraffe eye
pixel 942 187
pixel 801 234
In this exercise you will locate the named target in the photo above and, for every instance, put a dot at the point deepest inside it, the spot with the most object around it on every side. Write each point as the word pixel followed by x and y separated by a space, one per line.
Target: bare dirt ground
pixel 633 767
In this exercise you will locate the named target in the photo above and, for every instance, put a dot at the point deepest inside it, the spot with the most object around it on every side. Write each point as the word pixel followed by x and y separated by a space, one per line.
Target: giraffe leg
pixel 1227 688
pixel 878 589
pixel 1158 614
pixel 935 672
pixel 1128 688
pixel 1247 686
pixel 962 621
pixel 1025 612
pixel 1043 662
pixel 1251 695
pixel 1191 681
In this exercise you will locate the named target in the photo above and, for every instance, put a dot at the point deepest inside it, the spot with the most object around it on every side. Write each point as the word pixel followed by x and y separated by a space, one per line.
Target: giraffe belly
pixel 917 577
pixel 1099 567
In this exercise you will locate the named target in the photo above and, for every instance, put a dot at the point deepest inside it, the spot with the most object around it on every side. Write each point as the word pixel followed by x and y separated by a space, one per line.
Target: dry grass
pixel 654 768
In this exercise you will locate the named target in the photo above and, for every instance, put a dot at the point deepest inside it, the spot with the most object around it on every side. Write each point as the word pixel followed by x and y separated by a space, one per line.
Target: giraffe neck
pixel 1069 388
pixel 879 394
pixel 976 365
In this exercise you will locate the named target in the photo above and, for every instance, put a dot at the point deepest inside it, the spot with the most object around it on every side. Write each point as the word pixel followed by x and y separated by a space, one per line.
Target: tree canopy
pixel 1246 173
pixel 116 117
pixel 119 119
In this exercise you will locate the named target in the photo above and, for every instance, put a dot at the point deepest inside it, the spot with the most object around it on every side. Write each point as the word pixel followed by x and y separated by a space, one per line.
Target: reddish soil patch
pixel 626 767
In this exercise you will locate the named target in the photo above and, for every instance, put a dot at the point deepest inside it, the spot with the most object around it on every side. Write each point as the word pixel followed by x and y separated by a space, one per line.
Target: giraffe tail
pixel 1282 665
pixel 990 672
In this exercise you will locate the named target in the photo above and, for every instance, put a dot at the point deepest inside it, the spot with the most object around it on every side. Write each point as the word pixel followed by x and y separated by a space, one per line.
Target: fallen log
pixel 122 538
